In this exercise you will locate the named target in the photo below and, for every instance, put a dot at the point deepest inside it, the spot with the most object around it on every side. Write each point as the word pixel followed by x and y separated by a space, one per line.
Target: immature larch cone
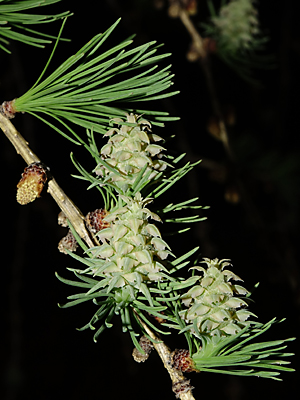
pixel 132 248
pixel 237 24
pixel 130 148
pixel 214 304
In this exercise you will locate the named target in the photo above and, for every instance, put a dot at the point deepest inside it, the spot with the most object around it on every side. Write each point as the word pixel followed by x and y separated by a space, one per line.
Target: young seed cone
pixel 128 150
pixel 132 248
pixel 215 305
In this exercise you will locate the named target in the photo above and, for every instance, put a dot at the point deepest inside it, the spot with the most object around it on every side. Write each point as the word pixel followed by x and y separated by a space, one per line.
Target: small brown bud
pixel 62 219
pixel 191 7
pixel 210 45
pixel 181 387
pixel 193 54
pixel 7 109
pixel 68 243
pixel 94 220
pixel 181 360
pixel 32 183
pixel 147 346
pixel 232 195
pixel 214 123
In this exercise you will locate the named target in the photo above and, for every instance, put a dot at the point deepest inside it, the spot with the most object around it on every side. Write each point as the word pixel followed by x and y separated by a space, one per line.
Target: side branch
pixel 181 385
pixel 72 213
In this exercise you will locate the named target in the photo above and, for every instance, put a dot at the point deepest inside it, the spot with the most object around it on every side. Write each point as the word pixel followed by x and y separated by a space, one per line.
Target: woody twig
pixel 71 211
pixel 180 385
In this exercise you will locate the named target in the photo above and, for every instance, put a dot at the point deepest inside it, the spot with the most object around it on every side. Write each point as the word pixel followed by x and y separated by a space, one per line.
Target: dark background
pixel 253 217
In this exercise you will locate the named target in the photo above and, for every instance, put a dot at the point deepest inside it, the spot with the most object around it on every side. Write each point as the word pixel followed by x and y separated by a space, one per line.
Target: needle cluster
pixel 15 25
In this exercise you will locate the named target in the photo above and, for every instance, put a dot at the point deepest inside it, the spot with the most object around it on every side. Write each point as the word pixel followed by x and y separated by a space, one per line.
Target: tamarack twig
pixel 181 386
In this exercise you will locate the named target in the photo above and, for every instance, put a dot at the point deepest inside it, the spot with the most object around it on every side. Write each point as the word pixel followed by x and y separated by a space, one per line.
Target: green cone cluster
pixel 129 149
pixel 128 271
pixel 237 24
pixel 132 248
pixel 214 304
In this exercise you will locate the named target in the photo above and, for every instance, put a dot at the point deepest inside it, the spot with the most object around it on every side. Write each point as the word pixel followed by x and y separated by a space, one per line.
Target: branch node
pixel 7 109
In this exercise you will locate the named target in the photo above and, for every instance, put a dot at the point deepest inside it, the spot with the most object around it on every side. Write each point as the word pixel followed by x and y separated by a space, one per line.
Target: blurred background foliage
pixel 253 196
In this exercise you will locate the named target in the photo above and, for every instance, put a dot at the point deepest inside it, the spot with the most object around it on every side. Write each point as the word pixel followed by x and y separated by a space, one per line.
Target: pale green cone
pixel 129 149
pixel 215 305
pixel 237 24
pixel 132 248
